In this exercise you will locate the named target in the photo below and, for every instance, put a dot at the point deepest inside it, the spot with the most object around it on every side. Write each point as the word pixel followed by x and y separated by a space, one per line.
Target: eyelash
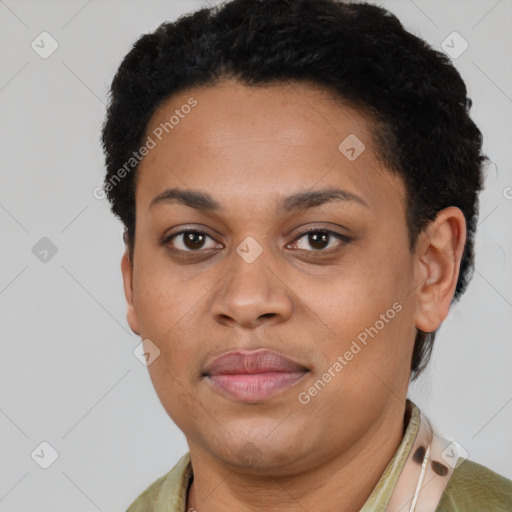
pixel 334 234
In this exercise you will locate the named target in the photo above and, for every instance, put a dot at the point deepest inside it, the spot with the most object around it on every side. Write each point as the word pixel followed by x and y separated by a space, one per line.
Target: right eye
pixel 189 241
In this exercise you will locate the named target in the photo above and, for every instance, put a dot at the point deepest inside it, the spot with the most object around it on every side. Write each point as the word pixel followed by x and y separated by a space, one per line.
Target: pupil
pixel 318 239
pixel 193 238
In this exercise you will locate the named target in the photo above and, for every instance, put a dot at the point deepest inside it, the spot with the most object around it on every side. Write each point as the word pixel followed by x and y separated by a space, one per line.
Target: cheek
pixel 159 297
pixel 368 307
pixel 359 290
pixel 169 314
pixel 174 393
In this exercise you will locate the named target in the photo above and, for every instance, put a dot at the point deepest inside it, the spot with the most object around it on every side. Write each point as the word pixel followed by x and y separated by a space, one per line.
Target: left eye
pixel 320 239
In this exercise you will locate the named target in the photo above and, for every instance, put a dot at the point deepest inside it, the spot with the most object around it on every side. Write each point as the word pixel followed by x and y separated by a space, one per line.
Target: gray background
pixel 68 375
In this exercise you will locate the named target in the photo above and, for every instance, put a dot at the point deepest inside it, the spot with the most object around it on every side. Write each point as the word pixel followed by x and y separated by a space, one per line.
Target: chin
pixel 270 456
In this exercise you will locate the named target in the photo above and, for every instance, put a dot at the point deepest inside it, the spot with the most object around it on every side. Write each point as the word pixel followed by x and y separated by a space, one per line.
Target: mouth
pixel 253 376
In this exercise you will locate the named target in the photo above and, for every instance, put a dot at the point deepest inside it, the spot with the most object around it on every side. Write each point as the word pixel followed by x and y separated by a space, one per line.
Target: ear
pixel 127 271
pixel 439 253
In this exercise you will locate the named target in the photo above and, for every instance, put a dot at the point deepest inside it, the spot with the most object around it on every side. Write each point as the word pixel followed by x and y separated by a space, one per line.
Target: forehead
pixel 262 143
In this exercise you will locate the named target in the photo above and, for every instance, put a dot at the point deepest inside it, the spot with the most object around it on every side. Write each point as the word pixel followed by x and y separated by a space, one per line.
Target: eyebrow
pixel 298 201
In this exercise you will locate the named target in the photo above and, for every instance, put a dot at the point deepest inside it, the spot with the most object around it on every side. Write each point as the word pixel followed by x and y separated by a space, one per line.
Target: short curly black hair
pixel 413 95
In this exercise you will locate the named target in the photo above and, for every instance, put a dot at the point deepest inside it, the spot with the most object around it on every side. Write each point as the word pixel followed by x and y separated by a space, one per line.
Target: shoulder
pixel 168 492
pixel 147 500
pixel 475 488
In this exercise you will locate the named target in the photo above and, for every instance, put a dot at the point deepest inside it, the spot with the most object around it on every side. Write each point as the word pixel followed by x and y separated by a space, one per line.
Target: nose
pixel 252 294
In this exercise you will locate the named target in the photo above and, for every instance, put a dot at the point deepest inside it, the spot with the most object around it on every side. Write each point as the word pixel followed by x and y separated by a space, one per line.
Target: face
pixel 291 258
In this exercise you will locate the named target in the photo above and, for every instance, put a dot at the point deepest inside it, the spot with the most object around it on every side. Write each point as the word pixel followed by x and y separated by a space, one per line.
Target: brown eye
pixel 193 240
pixel 190 241
pixel 320 239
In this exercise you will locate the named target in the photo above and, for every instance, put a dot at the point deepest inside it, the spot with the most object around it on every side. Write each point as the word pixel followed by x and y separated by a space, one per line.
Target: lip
pixel 253 375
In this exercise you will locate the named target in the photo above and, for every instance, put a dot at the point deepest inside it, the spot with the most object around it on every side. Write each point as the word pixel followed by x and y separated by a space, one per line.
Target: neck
pixel 342 483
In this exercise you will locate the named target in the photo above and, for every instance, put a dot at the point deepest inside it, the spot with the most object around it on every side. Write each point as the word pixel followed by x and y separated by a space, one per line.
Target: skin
pixel 249 148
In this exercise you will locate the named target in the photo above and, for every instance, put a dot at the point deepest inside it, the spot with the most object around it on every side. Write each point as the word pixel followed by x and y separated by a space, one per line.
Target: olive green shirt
pixel 471 488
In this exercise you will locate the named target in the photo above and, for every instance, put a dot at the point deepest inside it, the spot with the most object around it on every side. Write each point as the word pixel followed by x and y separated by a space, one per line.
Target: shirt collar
pixel 381 494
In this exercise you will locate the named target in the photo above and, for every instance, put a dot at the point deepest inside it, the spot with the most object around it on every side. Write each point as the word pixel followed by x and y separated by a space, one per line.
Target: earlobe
pixel 127 272
pixel 439 253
